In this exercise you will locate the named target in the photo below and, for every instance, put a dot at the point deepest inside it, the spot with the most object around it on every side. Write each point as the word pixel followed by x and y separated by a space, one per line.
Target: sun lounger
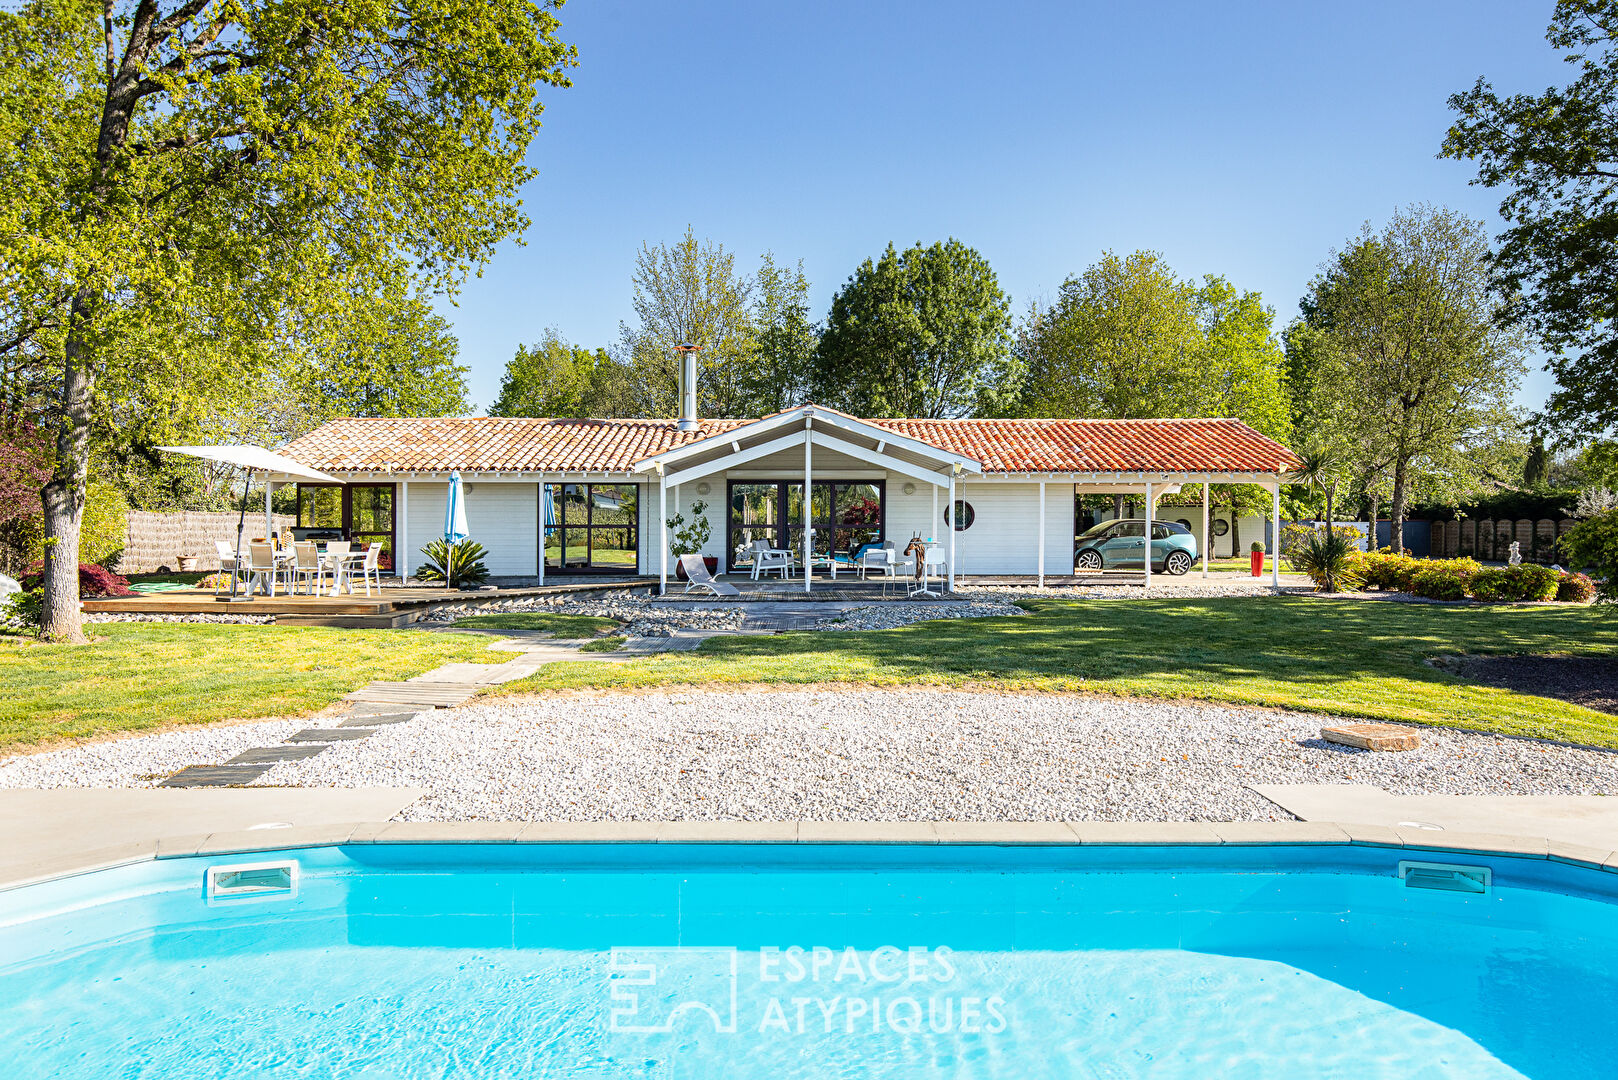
pixel 697 577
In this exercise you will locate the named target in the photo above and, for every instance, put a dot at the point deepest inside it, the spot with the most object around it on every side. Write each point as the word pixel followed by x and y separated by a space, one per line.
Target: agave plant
pixel 457 564
pixel 1328 557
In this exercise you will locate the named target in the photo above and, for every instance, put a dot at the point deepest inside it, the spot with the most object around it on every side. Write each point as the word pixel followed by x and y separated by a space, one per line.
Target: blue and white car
pixel 1121 544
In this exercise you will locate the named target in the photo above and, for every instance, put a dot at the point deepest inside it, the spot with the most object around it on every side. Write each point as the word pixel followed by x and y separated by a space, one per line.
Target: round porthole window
pixel 964 516
pixel 1221 526
pixel 1183 521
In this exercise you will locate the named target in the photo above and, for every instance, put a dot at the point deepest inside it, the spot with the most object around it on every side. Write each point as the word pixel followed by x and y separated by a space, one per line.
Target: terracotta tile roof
pixel 491 444
pixel 499 444
pixel 1103 445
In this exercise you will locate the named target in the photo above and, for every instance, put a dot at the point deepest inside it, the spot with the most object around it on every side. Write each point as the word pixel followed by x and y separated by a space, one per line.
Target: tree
pixel 1536 469
pixel 186 177
pixel 1413 368
pixel 388 359
pixel 1129 339
pixel 557 379
pixel 1556 154
pixel 784 349
pixel 924 332
pixel 689 293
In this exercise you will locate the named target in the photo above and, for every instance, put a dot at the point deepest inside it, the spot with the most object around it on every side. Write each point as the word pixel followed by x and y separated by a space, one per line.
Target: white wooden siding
pixel 504 518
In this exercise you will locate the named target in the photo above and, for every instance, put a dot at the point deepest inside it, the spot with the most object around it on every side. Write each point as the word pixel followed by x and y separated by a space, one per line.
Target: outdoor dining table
pixel 335 563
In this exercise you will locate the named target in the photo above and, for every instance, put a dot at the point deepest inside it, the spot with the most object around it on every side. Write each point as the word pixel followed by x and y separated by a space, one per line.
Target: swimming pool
pixel 681 961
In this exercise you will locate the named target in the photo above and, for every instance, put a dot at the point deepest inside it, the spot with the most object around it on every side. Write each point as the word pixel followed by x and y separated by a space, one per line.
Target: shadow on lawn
pixel 1296 640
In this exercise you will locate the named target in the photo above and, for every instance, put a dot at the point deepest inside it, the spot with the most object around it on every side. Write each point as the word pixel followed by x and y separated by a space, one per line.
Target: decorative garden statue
pixel 1514 555
pixel 919 550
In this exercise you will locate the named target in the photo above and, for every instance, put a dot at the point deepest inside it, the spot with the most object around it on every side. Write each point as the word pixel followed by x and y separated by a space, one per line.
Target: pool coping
pixel 983 833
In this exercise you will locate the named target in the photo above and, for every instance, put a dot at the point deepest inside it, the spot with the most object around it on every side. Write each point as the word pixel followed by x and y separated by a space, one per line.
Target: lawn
pixel 562 626
pixel 1358 658
pixel 137 676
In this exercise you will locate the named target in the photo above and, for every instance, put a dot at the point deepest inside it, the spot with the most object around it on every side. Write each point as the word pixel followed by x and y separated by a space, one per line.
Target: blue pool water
pixel 669 962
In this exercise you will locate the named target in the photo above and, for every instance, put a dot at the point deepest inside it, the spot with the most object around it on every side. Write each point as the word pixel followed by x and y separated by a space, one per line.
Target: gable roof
pixel 517 444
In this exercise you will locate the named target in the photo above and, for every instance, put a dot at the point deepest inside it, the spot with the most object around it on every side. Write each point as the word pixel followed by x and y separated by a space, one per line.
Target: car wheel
pixel 1088 561
pixel 1177 563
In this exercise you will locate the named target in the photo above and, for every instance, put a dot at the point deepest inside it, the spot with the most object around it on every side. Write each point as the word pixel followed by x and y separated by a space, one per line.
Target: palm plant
pixel 457 564
pixel 1329 558
pixel 1321 468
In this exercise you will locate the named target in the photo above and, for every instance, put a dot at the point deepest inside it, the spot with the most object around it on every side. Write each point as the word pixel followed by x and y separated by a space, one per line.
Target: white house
pixel 581 496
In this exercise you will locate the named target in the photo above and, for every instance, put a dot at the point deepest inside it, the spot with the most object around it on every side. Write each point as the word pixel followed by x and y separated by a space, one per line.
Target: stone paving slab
pixel 214 776
pixel 269 755
pixel 1590 820
pixel 383 708
pixel 330 735
pixel 54 831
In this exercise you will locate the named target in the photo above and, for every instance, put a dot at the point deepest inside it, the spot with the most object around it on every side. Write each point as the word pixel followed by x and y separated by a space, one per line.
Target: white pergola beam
pixel 915 472
pixel 752 453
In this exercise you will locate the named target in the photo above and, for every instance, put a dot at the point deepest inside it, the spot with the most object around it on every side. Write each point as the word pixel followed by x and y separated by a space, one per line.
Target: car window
pixel 1160 532
pixel 1098 531
pixel 1130 528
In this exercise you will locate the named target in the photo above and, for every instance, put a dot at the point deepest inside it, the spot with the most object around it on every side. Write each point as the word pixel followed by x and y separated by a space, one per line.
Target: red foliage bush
pixel 1576 589
pixel 94 581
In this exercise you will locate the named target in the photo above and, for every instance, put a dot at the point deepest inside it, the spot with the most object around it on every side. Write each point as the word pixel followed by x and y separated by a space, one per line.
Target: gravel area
pixel 833 754
pixel 143 760
pixel 890 615
pixel 643 616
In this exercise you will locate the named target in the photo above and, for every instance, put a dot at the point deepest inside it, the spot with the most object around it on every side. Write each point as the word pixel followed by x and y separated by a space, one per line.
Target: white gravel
pixel 848 755
pixel 889 615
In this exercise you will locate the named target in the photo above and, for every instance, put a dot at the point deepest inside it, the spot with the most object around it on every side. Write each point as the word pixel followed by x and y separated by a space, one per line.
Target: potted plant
pixel 1255 558
pixel 690 537
pixel 188 563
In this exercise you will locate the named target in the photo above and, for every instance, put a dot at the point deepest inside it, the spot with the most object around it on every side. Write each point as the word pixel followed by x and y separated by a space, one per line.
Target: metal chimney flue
pixel 688 385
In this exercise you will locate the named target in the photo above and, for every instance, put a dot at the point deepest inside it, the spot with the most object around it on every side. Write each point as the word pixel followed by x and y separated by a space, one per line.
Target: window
pixel 362 513
pixel 964 515
pixel 1130 528
pixel 845 513
pixel 1160 531
pixel 591 526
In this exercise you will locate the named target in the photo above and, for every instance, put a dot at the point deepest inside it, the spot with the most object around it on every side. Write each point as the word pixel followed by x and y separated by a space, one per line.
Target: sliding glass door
pixel 845 513
pixel 590 527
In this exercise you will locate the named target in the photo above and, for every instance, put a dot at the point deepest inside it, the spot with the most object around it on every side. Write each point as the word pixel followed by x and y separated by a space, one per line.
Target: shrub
pixel 1445 579
pixel 1594 543
pixel 690 538
pixel 457 564
pixel 1515 583
pixel 1332 561
pixel 1388 571
pixel 23 610
pixel 94 581
pixel 1256 547
pixel 1575 589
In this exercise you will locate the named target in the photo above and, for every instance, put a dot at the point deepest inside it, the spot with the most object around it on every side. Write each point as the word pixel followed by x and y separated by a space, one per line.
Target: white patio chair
pixel 370 566
pixel 782 561
pixel 307 566
pixel 227 565
pixel 697 577
pixel 263 568
pixel 337 557
pixel 756 550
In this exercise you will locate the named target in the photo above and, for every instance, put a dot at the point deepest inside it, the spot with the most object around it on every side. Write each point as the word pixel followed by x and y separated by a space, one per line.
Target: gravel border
pixel 847 755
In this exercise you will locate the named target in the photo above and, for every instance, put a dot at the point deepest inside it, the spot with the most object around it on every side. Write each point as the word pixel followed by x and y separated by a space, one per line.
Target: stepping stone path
pixel 384 703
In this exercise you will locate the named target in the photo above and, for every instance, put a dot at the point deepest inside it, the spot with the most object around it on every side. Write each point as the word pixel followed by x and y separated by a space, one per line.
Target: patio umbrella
pixel 455 529
pixel 251 459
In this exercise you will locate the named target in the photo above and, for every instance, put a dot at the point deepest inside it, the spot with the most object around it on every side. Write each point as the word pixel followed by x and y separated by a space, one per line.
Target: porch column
pixel 1151 513
pixel 401 521
pixel 1207 537
pixel 1275 534
pixel 662 534
pixel 950 524
pixel 269 521
pixel 1042 534
pixel 808 514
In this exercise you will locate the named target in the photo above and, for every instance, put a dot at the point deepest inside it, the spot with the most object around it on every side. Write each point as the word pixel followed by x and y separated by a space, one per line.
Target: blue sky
pixel 1239 138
